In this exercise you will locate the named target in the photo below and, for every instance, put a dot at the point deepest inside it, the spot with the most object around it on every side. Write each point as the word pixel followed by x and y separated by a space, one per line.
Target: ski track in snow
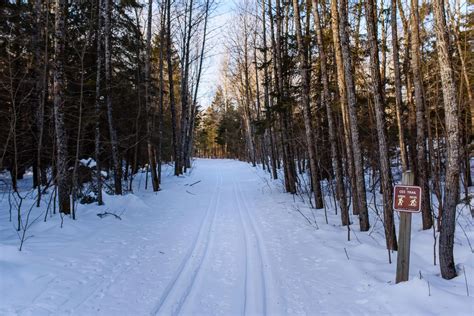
pixel 175 294
pixel 228 245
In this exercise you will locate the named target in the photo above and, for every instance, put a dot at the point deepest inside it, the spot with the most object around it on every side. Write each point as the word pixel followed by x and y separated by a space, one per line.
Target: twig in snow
pixel 345 250
pixel 102 215
pixel 194 183
pixel 356 237
pixel 467 238
pixel 190 192
pixel 465 279
pixel 309 221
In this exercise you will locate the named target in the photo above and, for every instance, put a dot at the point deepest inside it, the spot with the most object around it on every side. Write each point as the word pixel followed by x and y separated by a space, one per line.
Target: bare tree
pixel 98 108
pixel 305 81
pixel 326 100
pixel 359 190
pixel 451 196
pixel 149 109
pixel 421 164
pixel 379 103
pixel 398 85
pixel 58 92
pixel 108 87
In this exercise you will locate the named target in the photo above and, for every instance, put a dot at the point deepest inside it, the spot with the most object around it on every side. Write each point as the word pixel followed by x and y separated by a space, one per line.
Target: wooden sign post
pixel 406 200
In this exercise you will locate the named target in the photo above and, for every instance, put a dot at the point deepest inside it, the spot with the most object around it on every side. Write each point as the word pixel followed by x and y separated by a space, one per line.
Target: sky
pixel 216 48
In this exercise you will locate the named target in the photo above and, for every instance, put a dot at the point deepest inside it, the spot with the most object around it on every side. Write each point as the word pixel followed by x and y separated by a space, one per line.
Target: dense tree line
pixel 115 81
pixel 351 94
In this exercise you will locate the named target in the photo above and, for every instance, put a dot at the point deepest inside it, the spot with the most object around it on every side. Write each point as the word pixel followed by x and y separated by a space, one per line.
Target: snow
pixel 231 244
pixel 89 162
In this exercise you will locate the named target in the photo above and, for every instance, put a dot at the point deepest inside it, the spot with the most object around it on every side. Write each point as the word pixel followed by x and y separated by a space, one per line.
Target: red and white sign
pixel 407 198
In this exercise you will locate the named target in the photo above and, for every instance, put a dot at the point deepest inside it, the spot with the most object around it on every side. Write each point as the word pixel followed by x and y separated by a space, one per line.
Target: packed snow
pixel 222 240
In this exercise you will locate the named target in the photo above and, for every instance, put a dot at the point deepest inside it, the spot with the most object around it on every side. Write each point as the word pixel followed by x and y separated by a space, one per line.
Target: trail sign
pixel 407 198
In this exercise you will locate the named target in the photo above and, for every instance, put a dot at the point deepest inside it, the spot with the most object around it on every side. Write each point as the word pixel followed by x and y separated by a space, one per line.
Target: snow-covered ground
pixel 231 244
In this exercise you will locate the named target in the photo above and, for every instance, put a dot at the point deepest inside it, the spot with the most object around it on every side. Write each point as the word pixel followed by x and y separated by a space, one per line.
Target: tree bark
pixel 149 110
pixel 305 98
pixel 379 105
pixel 41 66
pixel 98 109
pixel 108 87
pixel 169 54
pixel 336 161
pixel 451 196
pixel 267 100
pixel 184 90
pixel 59 111
pixel 281 94
pixel 398 85
pixel 346 135
pixel 359 190
pixel 422 169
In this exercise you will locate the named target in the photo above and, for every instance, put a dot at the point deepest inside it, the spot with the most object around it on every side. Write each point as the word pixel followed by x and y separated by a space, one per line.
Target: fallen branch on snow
pixel 193 183
pixel 102 215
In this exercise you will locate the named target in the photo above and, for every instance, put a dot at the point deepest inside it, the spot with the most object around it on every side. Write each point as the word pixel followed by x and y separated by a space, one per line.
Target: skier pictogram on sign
pixel 407 198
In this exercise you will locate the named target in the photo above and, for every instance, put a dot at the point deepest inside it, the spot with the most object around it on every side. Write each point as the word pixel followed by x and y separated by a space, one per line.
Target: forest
pixel 335 98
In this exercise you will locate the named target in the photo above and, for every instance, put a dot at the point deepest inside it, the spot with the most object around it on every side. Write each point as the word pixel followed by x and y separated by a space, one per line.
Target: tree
pixel 305 80
pixel 60 129
pixel 421 165
pixel 150 114
pixel 326 100
pixel 346 59
pixel 108 87
pixel 451 196
pixel 379 103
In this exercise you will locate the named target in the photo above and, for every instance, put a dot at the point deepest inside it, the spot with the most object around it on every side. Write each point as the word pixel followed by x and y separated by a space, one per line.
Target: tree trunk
pixel 305 97
pixel 108 87
pixel 247 114
pixel 359 190
pixel 162 88
pixel 169 56
pixel 343 104
pixel 398 86
pixel 98 109
pixel 422 169
pixel 149 110
pixel 281 93
pixel 59 111
pixel 184 90
pixel 41 64
pixel 336 161
pixel 189 140
pixel 451 196
pixel 267 100
pixel 379 105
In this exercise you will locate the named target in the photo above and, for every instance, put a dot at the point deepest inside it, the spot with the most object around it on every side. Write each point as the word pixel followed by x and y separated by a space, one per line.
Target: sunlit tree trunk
pixel 451 196
pixel 398 85
pixel 326 100
pixel 305 98
pixel 379 105
pixel 422 168
pixel 359 190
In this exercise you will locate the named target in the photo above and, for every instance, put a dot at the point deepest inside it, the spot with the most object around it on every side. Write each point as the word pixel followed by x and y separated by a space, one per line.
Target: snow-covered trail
pixel 222 268
pixel 220 241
